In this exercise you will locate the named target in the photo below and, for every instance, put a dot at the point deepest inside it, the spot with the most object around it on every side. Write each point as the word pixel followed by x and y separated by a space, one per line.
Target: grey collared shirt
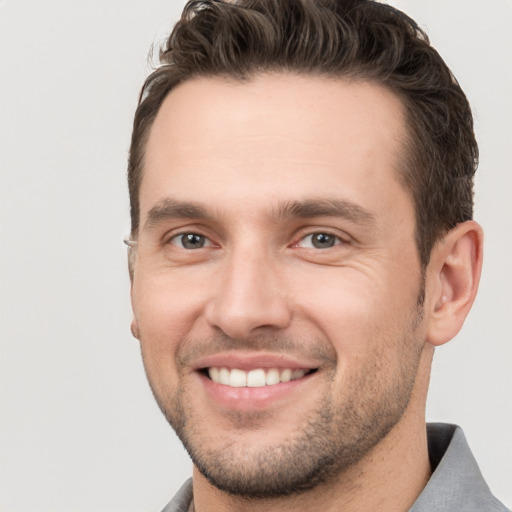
pixel 456 485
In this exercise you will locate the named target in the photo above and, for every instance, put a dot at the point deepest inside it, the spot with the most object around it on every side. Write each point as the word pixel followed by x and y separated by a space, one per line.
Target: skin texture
pixel 256 168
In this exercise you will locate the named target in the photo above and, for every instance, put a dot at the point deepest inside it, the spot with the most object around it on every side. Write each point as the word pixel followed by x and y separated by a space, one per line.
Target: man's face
pixel 276 281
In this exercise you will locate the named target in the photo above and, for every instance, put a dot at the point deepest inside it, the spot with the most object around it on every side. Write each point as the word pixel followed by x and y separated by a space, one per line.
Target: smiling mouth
pixel 255 378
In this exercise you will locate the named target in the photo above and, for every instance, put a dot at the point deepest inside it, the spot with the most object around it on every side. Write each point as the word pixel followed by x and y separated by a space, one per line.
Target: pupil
pixel 322 240
pixel 192 241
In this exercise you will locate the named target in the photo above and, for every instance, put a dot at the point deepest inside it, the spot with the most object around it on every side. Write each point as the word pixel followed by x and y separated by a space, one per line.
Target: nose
pixel 249 297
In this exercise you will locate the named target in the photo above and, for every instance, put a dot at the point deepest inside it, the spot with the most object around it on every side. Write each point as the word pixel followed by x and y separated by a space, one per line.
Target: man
pixel 302 239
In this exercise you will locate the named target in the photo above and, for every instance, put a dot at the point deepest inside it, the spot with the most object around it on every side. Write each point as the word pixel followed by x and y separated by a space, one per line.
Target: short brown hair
pixel 355 39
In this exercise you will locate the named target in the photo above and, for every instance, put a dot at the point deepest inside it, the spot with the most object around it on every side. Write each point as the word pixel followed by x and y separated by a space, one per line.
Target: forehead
pixel 273 136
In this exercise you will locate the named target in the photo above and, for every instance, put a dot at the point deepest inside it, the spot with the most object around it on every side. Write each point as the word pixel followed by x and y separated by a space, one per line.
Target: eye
pixel 190 241
pixel 319 241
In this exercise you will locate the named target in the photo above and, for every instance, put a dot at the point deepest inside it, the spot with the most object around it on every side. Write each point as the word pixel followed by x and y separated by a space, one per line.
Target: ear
pixel 453 275
pixel 134 326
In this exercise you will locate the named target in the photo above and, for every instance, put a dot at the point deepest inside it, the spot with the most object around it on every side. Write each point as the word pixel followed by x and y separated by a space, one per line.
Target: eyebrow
pixel 172 209
pixel 324 208
pixel 169 208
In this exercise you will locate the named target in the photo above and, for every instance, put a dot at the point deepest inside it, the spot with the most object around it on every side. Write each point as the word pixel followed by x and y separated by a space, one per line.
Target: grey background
pixel 78 428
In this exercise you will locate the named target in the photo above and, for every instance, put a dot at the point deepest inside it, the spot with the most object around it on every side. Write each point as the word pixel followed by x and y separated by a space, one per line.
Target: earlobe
pixel 454 275
pixel 134 327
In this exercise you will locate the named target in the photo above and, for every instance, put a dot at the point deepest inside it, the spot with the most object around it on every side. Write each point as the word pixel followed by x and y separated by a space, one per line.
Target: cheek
pixel 358 310
pixel 164 315
pixel 167 302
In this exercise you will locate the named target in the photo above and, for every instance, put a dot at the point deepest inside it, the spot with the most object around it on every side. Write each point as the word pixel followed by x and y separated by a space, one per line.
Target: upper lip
pixel 249 361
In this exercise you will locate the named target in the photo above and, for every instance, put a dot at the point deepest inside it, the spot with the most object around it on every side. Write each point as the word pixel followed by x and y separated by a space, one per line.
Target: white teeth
pixel 254 378
pixel 237 378
pixel 286 375
pixel 298 374
pixel 214 374
pixel 223 376
pixel 272 377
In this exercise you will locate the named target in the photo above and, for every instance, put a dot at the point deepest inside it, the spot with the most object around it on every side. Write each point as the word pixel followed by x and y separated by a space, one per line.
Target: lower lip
pixel 249 399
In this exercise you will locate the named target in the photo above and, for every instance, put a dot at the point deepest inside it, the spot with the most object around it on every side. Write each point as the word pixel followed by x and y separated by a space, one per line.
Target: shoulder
pixel 182 499
pixel 456 482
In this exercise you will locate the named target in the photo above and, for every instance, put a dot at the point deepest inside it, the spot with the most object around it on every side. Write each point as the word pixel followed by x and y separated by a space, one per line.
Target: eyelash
pixel 337 240
pixel 181 236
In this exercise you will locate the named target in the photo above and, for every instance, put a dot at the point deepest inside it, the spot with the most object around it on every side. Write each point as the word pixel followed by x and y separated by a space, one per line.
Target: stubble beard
pixel 323 446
